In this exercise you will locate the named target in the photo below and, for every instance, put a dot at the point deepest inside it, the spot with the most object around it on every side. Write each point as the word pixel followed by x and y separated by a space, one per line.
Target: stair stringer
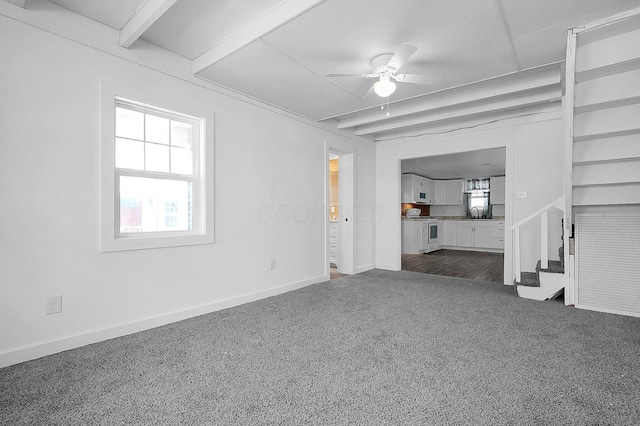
pixel 551 284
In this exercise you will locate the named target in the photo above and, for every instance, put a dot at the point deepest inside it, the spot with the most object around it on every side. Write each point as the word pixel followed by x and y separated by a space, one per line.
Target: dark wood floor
pixel 457 263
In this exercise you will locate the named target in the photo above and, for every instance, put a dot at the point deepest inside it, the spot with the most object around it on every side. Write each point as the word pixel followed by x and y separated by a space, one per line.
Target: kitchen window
pixel 156 176
pixel 478 205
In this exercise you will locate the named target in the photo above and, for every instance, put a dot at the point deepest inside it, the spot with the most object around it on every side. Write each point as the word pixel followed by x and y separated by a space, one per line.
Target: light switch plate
pixel 523 194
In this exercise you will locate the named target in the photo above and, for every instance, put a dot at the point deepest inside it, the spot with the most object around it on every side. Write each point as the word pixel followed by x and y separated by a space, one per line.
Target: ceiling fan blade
pixel 350 75
pixel 418 79
pixel 402 56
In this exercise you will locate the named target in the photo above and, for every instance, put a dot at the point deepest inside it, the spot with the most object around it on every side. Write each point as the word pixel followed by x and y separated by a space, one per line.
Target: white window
pixel 156 176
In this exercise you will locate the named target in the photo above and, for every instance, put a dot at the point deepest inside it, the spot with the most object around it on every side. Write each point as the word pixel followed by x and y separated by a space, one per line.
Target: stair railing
pixel 544 235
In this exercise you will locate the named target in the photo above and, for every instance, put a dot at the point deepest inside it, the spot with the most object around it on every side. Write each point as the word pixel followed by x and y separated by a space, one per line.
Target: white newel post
pixel 544 240
pixel 517 253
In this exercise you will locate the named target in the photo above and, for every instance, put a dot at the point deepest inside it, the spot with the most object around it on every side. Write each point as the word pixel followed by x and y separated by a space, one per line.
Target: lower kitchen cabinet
pixel 412 237
pixel 497 235
pixel 467 234
pixel 464 235
pixel 477 235
pixel 448 233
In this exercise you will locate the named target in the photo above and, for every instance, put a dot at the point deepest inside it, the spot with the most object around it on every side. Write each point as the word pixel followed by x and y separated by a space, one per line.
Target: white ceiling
pixel 472 164
pixel 279 51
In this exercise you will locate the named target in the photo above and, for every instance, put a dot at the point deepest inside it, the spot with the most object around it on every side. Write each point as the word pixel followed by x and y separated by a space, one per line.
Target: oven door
pixel 434 233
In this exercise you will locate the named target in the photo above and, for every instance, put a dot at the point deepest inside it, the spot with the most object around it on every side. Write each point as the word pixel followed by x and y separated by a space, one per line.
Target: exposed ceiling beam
pixel 19 3
pixel 516 82
pixel 470 121
pixel 496 104
pixel 145 16
pixel 274 18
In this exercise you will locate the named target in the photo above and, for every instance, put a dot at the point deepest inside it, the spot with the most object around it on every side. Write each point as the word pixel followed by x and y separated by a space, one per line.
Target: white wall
pixel 265 161
pixel 534 160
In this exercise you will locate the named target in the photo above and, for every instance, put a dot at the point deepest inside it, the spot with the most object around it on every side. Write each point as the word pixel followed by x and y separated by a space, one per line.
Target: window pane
pixel 157 158
pixel 129 124
pixel 181 161
pixel 157 129
pixel 181 134
pixel 129 154
pixel 153 205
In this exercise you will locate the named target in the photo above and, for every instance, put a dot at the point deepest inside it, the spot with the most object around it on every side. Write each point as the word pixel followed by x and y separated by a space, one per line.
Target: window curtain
pixel 478 205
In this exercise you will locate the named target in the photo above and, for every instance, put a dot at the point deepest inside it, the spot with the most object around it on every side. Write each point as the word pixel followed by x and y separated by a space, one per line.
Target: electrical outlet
pixel 272 264
pixel 54 304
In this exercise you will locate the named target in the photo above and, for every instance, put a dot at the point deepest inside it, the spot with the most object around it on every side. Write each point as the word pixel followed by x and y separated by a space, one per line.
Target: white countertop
pixel 494 219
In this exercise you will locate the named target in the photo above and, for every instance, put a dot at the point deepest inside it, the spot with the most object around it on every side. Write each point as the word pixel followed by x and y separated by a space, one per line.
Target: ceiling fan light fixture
pixel 384 87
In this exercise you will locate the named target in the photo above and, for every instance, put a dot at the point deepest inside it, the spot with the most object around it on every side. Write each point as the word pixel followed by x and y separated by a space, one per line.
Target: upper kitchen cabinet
pixel 454 192
pixel 497 185
pixel 435 192
pixel 431 191
pixel 440 192
pixel 445 192
pixel 417 189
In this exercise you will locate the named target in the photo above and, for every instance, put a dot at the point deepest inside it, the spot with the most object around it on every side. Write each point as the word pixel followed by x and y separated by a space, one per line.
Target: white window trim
pixel 203 232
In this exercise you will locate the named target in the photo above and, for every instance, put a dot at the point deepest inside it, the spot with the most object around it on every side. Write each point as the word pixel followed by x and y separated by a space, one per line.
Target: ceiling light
pixel 384 87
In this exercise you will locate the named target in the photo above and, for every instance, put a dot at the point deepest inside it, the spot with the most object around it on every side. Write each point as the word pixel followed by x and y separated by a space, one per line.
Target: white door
pixel 346 256
pixel 345 214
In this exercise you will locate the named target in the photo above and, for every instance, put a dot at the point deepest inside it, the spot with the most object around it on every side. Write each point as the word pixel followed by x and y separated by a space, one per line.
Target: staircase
pixel 543 284
pixel 601 110
pixel 549 279
pixel 601 107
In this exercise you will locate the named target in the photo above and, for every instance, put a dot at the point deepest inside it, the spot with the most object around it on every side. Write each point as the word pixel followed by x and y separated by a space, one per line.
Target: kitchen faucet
pixel 477 215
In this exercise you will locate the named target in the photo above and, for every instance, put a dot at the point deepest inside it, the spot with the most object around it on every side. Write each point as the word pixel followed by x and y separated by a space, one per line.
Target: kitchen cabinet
pixel 497 188
pixel 454 191
pixel 497 235
pixel 412 237
pixel 440 192
pixel 430 185
pixel 407 189
pixel 473 234
pixel 464 236
pixel 411 181
pixel 448 233
pixel 482 236
pixel 447 192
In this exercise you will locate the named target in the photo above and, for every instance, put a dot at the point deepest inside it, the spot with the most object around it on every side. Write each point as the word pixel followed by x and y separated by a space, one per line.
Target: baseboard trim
pixel 364 268
pixel 55 346
pixel 388 267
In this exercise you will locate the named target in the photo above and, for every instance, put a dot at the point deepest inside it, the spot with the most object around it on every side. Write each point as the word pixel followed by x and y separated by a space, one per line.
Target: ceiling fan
pixel 385 68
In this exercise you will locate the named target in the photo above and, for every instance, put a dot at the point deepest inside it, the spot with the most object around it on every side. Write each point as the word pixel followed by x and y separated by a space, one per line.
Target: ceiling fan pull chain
pixel 387 106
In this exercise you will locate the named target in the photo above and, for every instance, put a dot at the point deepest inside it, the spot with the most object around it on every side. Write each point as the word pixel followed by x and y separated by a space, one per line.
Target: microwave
pixel 420 195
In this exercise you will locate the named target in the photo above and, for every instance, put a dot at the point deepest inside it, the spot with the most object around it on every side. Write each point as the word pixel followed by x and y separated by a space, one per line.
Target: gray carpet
pixel 374 348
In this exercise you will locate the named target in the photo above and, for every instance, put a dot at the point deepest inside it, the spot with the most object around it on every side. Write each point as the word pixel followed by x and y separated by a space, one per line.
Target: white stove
pixel 431 230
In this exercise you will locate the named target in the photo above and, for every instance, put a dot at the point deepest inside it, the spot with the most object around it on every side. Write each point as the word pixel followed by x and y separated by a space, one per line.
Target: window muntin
pixel 186 144
pixel 156 158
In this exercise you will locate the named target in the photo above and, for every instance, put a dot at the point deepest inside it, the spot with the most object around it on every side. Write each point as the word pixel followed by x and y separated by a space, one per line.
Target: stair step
pixel 528 279
pixel 555 267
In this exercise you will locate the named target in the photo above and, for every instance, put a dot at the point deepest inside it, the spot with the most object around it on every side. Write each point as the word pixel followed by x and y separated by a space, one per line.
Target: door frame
pixel 346 212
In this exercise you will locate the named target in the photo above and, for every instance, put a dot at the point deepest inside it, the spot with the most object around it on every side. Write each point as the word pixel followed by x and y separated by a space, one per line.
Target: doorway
pixel 458 251
pixel 340 196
